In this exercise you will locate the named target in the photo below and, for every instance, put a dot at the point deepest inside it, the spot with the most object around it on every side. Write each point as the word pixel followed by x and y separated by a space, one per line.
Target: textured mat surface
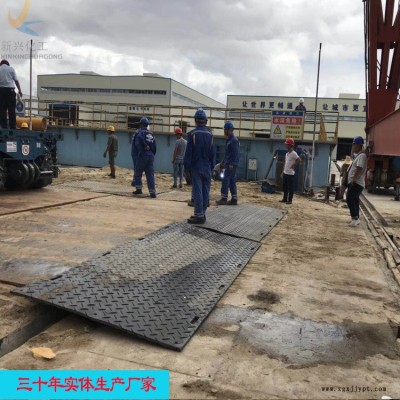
pixel 247 221
pixel 160 288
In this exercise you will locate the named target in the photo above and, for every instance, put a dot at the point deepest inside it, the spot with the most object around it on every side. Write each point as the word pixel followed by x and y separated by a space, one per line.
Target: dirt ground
pixel 249 192
pixel 312 316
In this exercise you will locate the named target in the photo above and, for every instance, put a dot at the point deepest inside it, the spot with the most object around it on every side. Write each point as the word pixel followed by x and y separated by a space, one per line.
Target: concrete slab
pixel 175 195
pixel 92 338
pixel 104 187
pixel 386 206
pixel 84 345
pixel 97 187
pixel 12 202
pixel 41 243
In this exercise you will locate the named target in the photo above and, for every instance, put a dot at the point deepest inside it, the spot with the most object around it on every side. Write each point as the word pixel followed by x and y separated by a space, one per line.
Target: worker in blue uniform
pixel 146 150
pixel 199 160
pixel 230 164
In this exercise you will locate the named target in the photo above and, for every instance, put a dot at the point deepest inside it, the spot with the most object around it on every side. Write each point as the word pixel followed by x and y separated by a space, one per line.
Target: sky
pixel 218 47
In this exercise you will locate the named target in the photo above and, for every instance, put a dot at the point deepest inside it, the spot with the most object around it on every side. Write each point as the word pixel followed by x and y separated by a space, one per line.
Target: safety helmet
pixel 178 131
pixel 229 125
pixel 110 129
pixel 289 141
pixel 200 115
pixel 144 121
pixel 301 100
pixel 24 125
pixel 358 140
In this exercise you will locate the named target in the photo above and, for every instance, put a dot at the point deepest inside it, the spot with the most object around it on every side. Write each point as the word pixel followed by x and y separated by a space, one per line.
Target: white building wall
pixel 351 110
pixel 188 101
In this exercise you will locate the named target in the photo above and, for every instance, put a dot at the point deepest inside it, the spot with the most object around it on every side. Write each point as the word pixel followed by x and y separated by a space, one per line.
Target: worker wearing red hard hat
pixel 177 158
pixel 289 142
pixel 291 159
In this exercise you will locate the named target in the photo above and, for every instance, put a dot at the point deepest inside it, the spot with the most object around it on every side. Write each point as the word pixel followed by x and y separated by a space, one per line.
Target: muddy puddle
pixel 297 341
pixel 23 271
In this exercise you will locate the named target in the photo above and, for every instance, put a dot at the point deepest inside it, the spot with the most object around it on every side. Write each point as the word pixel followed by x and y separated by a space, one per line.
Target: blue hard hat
pixel 229 125
pixel 144 121
pixel 358 140
pixel 200 115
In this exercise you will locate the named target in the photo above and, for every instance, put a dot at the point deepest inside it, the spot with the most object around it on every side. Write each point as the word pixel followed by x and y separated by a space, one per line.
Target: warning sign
pixel 25 149
pixel 277 132
pixel 286 124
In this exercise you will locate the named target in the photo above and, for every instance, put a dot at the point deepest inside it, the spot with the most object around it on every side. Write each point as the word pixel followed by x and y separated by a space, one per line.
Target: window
pixel 102 90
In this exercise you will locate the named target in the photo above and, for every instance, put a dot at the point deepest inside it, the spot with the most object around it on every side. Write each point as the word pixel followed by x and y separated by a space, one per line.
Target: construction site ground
pixel 314 315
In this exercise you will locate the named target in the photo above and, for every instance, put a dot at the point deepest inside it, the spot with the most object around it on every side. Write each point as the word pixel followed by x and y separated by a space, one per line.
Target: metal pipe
pixel 315 121
pixel 30 86
pixel 333 180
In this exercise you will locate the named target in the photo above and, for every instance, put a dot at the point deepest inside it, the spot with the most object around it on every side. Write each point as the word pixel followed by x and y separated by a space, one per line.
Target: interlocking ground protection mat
pixel 162 287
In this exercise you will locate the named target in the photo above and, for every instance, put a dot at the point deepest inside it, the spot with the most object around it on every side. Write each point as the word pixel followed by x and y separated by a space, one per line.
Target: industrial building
pixel 342 118
pixel 89 99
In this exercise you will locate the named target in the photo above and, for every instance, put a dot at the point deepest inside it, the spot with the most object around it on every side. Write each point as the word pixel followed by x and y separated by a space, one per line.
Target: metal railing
pixel 164 118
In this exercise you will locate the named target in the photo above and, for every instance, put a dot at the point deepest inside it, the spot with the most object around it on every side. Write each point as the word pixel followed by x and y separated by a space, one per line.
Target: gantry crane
pixel 382 61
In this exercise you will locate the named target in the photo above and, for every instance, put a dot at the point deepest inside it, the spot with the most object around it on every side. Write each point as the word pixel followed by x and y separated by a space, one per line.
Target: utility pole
pixel 30 87
pixel 315 122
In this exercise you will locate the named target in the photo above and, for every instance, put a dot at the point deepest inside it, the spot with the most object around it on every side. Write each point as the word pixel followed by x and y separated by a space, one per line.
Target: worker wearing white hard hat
pixel 301 106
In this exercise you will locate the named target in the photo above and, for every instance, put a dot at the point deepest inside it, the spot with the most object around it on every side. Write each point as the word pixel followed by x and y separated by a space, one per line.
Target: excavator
pixel 382 62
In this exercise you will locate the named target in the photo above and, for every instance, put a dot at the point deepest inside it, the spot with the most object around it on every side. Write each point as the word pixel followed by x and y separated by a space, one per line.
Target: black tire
pixel 18 175
pixel 41 183
pixel 12 185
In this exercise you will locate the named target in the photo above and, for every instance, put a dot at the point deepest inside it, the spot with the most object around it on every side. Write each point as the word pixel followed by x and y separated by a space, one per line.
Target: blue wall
pixel 85 147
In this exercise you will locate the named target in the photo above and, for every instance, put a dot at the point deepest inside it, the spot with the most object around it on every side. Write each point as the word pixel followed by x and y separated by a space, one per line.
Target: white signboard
pixel 252 164
pixel 11 147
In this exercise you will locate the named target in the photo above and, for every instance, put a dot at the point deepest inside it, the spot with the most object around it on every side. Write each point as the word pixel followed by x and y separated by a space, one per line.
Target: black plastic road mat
pixel 247 220
pixel 160 288
pixel 102 187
